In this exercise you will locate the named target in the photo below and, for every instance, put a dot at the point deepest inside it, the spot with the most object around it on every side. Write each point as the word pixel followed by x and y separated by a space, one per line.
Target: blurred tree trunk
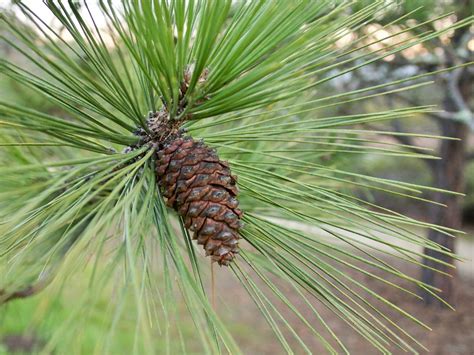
pixel 448 174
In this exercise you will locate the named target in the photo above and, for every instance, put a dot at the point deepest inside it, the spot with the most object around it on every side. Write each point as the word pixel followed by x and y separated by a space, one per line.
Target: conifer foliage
pixel 157 101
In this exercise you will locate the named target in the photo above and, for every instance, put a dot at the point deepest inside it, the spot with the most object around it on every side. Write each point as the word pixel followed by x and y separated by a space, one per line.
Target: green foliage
pixel 69 203
pixel 419 10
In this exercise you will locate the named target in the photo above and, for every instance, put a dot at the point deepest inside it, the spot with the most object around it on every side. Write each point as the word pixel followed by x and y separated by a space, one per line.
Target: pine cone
pixel 200 187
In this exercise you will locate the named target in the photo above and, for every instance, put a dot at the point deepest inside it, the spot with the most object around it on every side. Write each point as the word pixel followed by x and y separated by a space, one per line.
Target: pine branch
pixel 242 76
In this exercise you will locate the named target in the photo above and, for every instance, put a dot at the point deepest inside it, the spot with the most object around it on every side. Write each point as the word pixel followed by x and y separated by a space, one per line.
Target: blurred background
pixel 452 93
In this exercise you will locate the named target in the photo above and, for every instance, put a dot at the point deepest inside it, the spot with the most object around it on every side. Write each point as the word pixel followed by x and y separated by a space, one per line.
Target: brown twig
pixel 28 291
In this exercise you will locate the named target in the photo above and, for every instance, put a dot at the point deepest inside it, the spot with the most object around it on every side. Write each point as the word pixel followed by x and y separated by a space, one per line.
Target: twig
pixel 28 291
pixel 455 93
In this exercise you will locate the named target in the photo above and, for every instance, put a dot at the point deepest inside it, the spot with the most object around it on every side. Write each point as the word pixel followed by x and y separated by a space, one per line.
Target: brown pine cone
pixel 200 187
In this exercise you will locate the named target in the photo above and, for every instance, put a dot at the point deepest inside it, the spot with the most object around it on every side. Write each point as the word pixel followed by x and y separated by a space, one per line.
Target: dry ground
pixel 452 332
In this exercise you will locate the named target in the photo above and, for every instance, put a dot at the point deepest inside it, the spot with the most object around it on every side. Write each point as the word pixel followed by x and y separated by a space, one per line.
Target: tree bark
pixel 448 174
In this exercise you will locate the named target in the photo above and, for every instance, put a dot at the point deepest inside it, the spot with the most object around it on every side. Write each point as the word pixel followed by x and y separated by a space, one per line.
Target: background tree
pixel 456 121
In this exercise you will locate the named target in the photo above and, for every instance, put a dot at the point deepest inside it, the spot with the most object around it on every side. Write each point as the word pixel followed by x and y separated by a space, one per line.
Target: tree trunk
pixel 449 175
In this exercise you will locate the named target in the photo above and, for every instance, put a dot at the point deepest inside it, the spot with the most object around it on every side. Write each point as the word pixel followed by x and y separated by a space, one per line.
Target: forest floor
pixel 452 331
pixel 452 334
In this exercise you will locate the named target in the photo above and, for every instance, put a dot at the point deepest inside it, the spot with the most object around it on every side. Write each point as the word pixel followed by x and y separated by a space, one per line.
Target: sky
pixel 42 11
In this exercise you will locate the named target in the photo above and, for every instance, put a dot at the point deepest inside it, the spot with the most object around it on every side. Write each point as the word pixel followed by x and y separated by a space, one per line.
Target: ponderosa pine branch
pixel 258 109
